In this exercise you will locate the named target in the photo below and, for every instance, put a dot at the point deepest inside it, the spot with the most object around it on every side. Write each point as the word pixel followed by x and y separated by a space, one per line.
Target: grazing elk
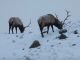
pixel 17 23
pixel 50 20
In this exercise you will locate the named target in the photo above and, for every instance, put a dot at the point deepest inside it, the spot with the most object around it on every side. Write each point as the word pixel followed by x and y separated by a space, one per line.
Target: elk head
pixel 61 23
pixel 58 23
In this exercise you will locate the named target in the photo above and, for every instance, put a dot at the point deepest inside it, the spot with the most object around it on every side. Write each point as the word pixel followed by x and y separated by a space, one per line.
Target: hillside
pixel 17 46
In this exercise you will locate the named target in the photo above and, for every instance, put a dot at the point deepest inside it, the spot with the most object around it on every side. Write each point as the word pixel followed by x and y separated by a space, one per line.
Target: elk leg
pixel 41 30
pixel 9 28
pixel 16 29
pixel 52 28
pixel 42 34
pixel 12 30
pixel 47 29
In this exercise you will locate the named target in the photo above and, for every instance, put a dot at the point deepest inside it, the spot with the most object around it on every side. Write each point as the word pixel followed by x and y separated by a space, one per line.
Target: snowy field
pixel 16 46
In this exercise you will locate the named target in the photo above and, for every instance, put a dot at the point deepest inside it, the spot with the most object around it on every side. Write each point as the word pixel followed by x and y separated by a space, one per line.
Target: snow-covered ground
pixel 16 46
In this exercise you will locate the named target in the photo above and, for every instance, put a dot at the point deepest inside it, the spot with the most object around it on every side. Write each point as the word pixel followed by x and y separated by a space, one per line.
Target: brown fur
pixel 47 21
pixel 17 23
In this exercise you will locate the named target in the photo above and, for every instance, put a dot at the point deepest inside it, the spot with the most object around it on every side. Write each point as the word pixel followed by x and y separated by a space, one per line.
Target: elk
pixel 50 20
pixel 17 23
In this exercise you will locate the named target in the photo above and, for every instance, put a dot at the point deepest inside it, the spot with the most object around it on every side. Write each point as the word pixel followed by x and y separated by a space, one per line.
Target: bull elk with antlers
pixel 17 23
pixel 50 20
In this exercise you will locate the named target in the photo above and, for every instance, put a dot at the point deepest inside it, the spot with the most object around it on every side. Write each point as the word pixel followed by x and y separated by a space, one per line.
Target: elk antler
pixel 66 16
pixel 28 24
pixel 56 15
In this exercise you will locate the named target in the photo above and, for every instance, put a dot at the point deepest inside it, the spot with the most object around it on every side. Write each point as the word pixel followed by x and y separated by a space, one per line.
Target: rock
pixel 23 49
pixel 75 32
pixel 59 43
pixel 78 35
pixel 73 44
pixel 27 58
pixel 35 44
pixel 13 41
pixel 62 31
pixel 47 40
pixel 52 45
pixel 16 35
pixel 21 36
pixel 62 36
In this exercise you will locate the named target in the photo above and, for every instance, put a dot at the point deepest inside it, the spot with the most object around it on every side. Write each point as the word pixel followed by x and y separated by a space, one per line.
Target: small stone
pixel 47 40
pixel 76 32
pixel 78 36
pixel 23 49
pixel 16 35
pixel 73 44
pixel 62 31
pixel 52 45
pixel 59 43
pixel 13 41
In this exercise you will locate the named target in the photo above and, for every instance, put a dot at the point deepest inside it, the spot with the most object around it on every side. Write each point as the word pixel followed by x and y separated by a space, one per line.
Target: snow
pixel 16 46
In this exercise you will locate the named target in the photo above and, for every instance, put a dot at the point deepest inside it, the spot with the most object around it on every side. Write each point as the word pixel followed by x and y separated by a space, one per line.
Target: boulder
pixel 35 44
